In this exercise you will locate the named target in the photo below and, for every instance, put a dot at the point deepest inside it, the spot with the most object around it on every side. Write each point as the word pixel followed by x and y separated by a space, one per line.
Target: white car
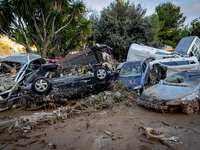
pixel 162 63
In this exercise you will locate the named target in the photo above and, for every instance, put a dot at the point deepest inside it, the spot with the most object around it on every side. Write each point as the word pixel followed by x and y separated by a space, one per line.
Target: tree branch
pixel 36 45
pixel 56 45
pixel 36 27
pixel 26 39
pixel 64 25
pixel 44 24
pixel 54 18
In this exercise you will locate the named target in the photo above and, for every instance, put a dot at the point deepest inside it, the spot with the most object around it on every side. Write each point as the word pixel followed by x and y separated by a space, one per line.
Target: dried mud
pixel 121 127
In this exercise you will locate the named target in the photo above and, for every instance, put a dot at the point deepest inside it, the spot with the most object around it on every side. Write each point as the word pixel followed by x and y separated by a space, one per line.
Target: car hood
pixel 168 92
pixel 131 82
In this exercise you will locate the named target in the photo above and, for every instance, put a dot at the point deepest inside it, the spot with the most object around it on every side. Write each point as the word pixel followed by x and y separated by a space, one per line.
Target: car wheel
pixel 41 85
pixel 191 107
pixel 100 73
pixel 89 71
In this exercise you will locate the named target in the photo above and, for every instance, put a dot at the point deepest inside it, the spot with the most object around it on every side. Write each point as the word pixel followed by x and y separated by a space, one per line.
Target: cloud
pixel 190 9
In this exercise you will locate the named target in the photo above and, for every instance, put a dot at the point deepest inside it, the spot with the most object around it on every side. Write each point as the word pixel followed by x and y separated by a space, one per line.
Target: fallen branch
pixel 146 141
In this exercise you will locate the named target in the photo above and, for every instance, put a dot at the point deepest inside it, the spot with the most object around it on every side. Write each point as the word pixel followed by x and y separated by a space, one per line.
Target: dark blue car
pixel 134 74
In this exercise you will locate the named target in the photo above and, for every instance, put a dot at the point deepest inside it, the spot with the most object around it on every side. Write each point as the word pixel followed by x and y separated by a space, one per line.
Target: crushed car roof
pixel 21 58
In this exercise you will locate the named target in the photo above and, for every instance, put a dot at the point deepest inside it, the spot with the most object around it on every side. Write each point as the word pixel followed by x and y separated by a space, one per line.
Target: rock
pixel 108 133
pixel 16 125
pixel 87 124
pixel 114 138
pixel 24 119
pixel 78 130
pixel 172 142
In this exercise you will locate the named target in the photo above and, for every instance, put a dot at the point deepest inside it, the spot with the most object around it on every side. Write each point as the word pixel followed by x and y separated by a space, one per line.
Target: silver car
pixel 13 71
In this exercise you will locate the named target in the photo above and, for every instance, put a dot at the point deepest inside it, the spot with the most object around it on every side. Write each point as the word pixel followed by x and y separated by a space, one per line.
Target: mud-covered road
pixel 118 128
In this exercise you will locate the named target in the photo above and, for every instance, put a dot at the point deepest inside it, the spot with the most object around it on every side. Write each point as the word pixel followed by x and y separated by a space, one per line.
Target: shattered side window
pixel 169 63
pixel 183 79
pixel 182 62
pixel 198 42
pixel 130 72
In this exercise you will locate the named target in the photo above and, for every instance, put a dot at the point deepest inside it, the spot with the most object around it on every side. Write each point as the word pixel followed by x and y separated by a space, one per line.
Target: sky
pixel 189 8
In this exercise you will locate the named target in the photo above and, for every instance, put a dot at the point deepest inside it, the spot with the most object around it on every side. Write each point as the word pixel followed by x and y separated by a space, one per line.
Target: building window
pixel 15 52
pixel 3 50
pixel 11 51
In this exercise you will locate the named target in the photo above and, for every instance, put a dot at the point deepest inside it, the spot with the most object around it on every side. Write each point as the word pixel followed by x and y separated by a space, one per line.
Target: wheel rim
pixel 101 73
pixel 41 85
pixel 196 105
pixel 191 107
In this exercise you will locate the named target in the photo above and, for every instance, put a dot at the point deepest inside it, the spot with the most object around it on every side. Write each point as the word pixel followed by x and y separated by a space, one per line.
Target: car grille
pixel 152 100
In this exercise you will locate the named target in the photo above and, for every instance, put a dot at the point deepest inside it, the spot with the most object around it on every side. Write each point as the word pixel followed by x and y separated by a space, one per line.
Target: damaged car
pixel 134 74
pixel 87 60
pixel 14 70
pixel 178 91
pixel 162 63
pixel 160 69
pixel 42 91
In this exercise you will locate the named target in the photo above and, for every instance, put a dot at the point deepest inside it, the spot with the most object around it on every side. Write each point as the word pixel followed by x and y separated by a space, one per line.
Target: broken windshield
pixel 183 79
pixel 10 69
pixel 130 72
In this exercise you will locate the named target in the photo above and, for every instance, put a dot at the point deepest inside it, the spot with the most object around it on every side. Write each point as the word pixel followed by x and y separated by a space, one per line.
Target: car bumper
pixel 151 105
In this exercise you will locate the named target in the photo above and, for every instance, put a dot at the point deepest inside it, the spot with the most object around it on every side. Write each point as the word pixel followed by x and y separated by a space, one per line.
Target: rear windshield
pixel 130 72
pixel 183 79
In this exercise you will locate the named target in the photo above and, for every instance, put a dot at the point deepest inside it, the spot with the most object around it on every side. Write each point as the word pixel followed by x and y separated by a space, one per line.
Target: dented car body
pixel 14 69
pixel 176 91
pixel 42 91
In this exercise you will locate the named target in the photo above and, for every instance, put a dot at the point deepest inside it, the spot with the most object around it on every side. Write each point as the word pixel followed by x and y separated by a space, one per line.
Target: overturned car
pixel 178 91
pixel 87 60
pixel 14 70
pixel 42 91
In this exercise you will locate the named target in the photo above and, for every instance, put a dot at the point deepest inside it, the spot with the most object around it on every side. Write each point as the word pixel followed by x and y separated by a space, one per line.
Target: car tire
pixel 89 70
pixel 49 67
pixel 191 107
pixel 41 85
pixel 100 74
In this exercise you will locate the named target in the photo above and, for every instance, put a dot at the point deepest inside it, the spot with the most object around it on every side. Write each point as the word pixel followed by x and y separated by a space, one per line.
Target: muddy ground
pixel 121 127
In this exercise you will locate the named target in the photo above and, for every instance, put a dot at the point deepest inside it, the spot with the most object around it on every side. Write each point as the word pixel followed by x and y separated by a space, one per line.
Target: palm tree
pixel 41 23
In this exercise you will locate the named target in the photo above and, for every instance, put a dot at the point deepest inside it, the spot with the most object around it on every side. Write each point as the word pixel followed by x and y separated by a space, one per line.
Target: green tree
pixel 122 24
pixel 46 24
pixel 173 20
pixel 195 27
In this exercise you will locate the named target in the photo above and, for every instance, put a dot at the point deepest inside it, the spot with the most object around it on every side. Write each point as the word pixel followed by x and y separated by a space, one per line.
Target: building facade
pixel 8 47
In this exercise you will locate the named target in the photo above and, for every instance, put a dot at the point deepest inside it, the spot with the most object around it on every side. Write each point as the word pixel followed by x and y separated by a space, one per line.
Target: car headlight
pixel 137 87
pixel 174 102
